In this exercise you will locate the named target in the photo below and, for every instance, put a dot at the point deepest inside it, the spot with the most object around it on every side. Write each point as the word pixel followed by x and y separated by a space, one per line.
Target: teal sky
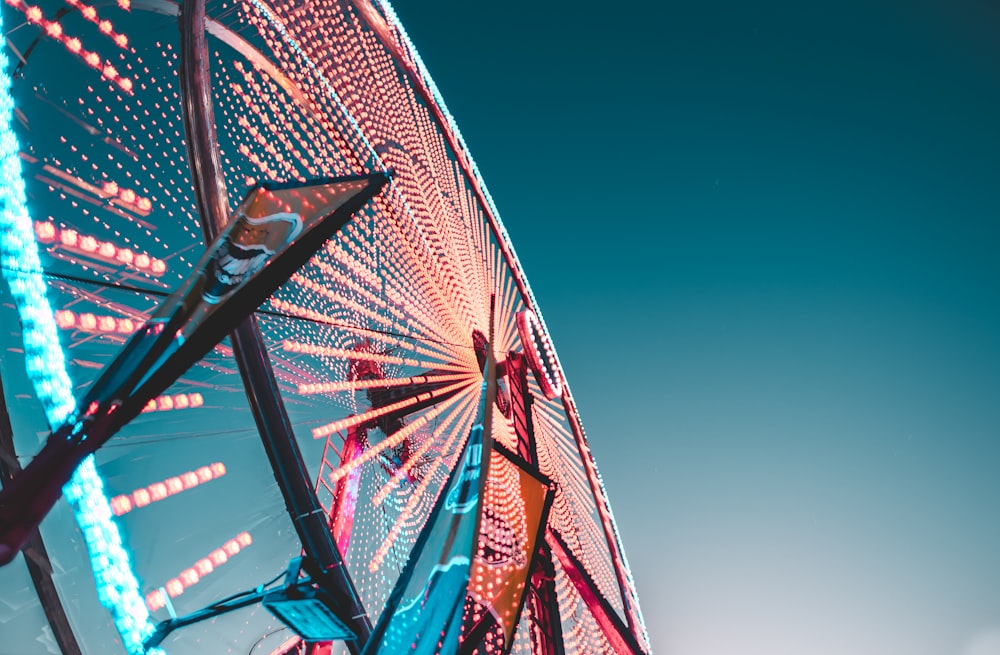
pixel 765 239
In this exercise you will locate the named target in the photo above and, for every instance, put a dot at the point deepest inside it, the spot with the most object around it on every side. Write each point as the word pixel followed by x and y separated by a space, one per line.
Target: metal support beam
pixel 520 403
pixel 546 624
pixel 248 343
pixel 611 625
pixel 36 557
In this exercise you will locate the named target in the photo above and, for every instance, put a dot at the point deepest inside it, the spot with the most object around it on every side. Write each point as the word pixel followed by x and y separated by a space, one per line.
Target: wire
pixel 265 636
pixel 130 442
pixel 139 440
pixel 98 283
pixel 249 592
pixel 266 312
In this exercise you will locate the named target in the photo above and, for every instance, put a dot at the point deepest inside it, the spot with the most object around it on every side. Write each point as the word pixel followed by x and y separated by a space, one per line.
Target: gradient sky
pixel 765 238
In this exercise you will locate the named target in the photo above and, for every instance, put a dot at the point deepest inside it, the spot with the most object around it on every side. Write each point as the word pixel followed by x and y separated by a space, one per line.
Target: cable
pixel 257 589
pixel 266 312
pixel 265 636
pixel 139 440
pixel 101 283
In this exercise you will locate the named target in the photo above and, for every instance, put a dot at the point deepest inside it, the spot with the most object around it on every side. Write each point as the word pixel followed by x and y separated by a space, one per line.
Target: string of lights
pixel 117 586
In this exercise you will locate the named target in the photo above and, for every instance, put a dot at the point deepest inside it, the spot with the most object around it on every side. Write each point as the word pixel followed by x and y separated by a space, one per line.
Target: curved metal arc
pixel 248 343
pixel 378 24
pixel 237 43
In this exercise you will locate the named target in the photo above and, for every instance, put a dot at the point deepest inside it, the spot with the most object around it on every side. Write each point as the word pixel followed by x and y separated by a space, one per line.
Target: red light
pixel 121 505
pixel 189 577
pixel 65 319
pixel 158 491
pixel 155 600
pixel 106 250
pixel 45 232
pixel 175 587
pixel 141 497
pixel 106 324
pixel 88 244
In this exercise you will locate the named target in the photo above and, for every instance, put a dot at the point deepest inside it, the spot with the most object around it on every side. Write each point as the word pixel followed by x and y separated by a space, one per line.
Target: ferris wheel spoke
pixel 359 385
pixel 408 404
pixel 434 443
pixel 451 450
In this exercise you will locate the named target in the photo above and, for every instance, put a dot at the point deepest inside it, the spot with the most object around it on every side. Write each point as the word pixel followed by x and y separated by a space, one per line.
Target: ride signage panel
pixel 515 504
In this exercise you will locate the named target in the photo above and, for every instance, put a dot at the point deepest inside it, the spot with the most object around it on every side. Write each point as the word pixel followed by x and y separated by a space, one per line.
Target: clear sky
pixel 765 238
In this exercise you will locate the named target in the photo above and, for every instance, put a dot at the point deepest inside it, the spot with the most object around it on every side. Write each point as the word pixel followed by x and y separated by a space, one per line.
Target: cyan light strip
pixel 117 586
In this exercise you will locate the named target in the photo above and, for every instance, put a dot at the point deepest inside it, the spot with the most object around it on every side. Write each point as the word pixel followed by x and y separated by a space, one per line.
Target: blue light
pixel 117 586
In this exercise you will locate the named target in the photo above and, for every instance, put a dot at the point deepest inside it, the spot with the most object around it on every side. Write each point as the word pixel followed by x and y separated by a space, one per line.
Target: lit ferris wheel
pixel 410 471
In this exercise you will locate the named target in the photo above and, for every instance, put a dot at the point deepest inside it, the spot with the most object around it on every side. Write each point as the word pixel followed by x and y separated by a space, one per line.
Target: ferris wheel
pixel 382 456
